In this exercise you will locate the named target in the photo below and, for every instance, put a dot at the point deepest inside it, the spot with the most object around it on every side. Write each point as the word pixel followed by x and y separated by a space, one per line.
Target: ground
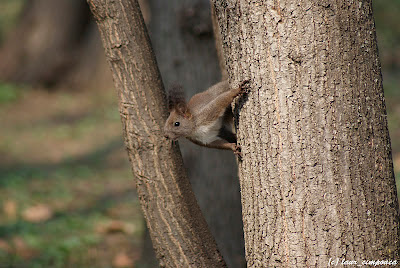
pixel 67 194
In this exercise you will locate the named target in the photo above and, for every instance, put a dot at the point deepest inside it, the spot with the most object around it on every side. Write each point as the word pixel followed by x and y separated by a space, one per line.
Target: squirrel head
pixel 180 122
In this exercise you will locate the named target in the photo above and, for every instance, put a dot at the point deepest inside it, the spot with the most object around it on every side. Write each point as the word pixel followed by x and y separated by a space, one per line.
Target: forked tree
pixel 316 173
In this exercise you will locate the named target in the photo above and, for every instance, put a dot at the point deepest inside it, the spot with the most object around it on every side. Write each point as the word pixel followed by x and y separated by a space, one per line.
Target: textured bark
pixel 182 37
pixel 317 178
pixel 177 227
pixel 218 43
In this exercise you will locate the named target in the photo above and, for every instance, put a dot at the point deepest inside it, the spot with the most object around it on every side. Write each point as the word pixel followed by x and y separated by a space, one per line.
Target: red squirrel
pixel 207 119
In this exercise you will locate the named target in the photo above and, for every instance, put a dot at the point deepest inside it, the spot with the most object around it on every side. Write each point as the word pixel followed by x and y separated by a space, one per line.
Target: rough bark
pixel 178 230
pixel 182 38
pixel 317 178
pixel 218 43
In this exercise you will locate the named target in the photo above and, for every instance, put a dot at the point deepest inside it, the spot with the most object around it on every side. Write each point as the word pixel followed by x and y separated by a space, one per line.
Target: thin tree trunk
pixel 317 177
pixel 178 230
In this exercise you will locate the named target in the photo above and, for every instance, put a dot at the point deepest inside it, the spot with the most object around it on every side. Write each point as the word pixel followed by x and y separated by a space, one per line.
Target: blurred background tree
pixel 52 43
pixel 61 154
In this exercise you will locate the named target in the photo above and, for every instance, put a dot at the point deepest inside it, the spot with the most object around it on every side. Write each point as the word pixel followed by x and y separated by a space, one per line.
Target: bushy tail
pixel 176 97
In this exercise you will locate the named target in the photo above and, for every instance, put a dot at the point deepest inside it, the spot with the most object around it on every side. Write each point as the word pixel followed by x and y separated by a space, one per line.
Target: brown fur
pixel 202 118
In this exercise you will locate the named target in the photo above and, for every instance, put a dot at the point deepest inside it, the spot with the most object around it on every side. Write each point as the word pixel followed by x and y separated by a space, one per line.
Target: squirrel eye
pixel 177 124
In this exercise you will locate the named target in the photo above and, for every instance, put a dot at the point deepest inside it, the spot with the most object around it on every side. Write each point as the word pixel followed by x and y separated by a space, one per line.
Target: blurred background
pixel 67 196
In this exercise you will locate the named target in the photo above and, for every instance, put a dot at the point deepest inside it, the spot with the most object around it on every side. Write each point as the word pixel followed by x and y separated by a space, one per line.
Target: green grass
pixel 85 187
pixel 81 200
pixel 9 93
pixel 72 233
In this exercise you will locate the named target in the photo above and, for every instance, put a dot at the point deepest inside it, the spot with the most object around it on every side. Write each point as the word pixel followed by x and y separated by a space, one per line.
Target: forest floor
pixel 66 191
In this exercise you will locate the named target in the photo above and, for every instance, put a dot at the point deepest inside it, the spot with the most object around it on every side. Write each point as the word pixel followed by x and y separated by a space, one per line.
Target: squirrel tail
pixel 176 97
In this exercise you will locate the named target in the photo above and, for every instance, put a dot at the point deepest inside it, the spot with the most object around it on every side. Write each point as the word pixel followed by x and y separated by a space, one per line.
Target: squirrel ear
pixel 182 109
pixel 176 97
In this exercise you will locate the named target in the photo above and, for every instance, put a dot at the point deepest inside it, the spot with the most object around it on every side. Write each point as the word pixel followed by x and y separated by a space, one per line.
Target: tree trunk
pixel 56 44
pixel 45 43
pixel 182 37
pixel 177 227
pixel 317 178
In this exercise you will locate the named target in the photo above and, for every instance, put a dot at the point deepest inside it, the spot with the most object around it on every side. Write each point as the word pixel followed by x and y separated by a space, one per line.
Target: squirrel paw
pixel 245 87
pixel 237 150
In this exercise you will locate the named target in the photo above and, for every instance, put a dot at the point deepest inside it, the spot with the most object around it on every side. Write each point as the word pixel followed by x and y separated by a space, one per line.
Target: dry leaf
pixel 22 249
pixel 122 260
pixel 4 246
pixel 116 227
pixel 38 213
pixel 10 209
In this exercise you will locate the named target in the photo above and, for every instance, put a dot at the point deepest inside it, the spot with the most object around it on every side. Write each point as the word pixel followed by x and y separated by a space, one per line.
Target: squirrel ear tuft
pixel 176 97
pixel 182 109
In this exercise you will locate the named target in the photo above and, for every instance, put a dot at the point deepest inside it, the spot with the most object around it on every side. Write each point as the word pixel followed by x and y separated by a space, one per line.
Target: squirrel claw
pixel 245 87
pixel 238 151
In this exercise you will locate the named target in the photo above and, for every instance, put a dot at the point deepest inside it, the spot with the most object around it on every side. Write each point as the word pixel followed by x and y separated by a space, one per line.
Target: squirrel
pixel 207 119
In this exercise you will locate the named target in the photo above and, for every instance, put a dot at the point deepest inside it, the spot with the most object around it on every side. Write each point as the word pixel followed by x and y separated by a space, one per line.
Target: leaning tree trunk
pixel 316 178
pixel 182 37
pixel 178 230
